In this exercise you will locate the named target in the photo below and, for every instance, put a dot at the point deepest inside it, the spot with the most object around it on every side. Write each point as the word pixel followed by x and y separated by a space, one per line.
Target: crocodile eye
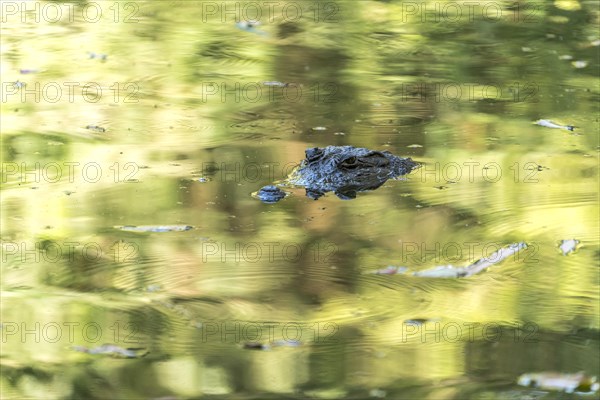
pixel 350 162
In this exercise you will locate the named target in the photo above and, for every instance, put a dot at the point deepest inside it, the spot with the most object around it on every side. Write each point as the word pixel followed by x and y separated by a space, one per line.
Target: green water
pixel 167 113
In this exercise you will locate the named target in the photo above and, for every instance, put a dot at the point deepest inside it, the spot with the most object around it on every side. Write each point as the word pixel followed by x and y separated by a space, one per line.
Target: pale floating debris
pixel 153 288
pixel 267 346
pixel 526 49
pixel 102 57
pixel 319 128
pixel 565 57
pixel 414 146
pixel 549 124
pixel 444 271
pixel 96 128
pixel 250 26
pixel 449 271
pixel 568 246
pixel 339 133
pixel 276 84
pixel 580 64
pixel 247 24
pixel 201 179
pixel 389 270
pixel 154 228
pixel 113 350
pixel 569 383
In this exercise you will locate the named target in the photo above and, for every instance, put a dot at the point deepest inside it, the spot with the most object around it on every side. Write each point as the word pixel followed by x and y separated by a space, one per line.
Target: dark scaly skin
pixel 270 194
pixel 344 170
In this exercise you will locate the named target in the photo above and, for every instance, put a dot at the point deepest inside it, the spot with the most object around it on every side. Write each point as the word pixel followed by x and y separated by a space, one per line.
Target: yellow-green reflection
pixel 185 128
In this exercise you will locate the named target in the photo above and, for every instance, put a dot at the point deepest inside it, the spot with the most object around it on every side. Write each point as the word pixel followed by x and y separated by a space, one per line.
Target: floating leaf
pixel 569 383
pixel 154 228
pixel 250 26
pixel 568 246
pixel 276 84
pixel 389 270
pixel 267 346
pixel 549 124
pixel 444 271
pixel 580 64
pixel 95 128
pixel 113 350
pixel 449 271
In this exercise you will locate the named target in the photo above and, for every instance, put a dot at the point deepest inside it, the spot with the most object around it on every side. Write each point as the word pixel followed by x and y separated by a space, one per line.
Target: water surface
pixel 177 114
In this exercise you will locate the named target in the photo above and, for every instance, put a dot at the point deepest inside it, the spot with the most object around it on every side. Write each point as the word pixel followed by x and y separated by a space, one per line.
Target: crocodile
pixel 344 170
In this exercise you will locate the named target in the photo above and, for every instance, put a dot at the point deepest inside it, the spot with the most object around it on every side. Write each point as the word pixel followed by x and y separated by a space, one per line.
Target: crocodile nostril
pixel 313 154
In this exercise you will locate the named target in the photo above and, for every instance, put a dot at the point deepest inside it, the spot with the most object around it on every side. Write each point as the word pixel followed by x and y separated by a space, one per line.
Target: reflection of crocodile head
pixel 343 170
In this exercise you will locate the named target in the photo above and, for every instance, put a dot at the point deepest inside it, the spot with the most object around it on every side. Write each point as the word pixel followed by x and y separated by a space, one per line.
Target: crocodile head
pixel 346 170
